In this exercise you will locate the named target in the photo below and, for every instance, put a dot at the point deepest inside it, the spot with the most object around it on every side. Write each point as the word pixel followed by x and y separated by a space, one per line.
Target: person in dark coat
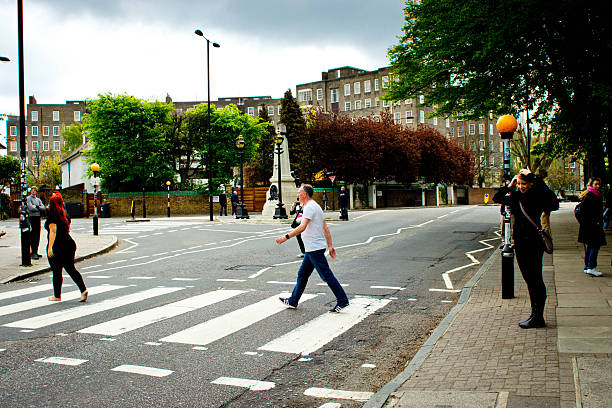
pixel 343 202
pixel 537 199
pixel 61 248
pixel 234 199
pixel 35 210
pixel 222 203
pixel 297 209
pixel 591 232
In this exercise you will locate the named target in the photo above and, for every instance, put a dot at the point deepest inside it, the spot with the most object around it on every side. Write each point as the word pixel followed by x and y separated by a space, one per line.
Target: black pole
pixel 241 211
pixel 24 221
pixel 280 212
pixel 507 267
pixel 168 200
pixel 528 141
pixel 210 174
pixel 95 217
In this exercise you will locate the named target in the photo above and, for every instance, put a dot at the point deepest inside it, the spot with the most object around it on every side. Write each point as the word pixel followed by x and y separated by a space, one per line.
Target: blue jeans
pixel 590 257
pixel 316 260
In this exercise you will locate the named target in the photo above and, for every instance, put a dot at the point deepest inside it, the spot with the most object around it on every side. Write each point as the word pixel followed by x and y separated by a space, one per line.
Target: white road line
pixel 194 247
pixel 91 266
pixel 160 253
pixel 99 277
pixel 331 405
pixel 179 250
pixel 325 284
pixel 217 328
pixel 158 233
pixel 137 320
pixel 366 365
pixel 1 350
pixel 231 280
pixel 142 277
pixel 185 279
pixel 281 283
pixel 259 272
pixel 134 369
pixel 445 290
pixel 253 385
pixel 89 309
pixel 153 343
pixel 140 257
pixel 62 360
pixel 316 333
pixel 172 230
pixel 41 302
pixel 134 245
pixel 387 287
pixel 443 216
pixel 338 394
pixel 116 262
pixel 25 291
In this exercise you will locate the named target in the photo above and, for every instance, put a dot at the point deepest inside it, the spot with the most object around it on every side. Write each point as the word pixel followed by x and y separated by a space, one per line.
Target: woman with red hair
pixel 61 248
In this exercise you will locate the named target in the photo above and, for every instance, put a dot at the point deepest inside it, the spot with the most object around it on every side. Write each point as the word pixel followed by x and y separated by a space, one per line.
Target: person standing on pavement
pixel 298 210
pixel 61 248
pixel 234 199
pixel 343 201
pixel 317 239
pixel 536 198
pixel 35 210
pixel 591 232
pixel 325 199
pixel 222 203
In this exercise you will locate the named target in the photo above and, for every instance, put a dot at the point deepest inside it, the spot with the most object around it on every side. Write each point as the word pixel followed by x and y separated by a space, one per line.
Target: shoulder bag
pixel 547 242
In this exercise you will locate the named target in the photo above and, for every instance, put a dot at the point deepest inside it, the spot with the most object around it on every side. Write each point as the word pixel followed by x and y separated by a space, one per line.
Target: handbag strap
pixel 528 217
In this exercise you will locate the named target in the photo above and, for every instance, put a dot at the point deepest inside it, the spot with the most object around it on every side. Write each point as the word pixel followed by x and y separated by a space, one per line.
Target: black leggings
pixel 529 258
pixel 300 242
pixel 65 260
pixel 34 234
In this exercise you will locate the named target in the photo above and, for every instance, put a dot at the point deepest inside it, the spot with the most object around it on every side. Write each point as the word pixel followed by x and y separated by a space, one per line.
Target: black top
pixel 222 198
pixel 63 240
pixel 591 228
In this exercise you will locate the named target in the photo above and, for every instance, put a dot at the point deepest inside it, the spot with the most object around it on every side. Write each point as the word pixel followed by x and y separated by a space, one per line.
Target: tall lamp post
pixel 241 211
pixel 281 132
pixel 506 125
pixel 168 185
pixel 198 32
pixel 4 59
pixel 95 168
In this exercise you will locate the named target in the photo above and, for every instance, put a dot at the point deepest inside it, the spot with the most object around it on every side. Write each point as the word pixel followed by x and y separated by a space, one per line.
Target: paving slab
pixel 595 377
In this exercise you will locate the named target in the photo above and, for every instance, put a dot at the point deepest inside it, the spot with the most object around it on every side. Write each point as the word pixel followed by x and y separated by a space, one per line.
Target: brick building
pixel 248 105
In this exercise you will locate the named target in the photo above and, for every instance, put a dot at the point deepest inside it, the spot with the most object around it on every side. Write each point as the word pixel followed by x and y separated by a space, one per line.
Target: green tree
pixel 73 136
pixel 301 147
pixel 50 171
pixel 9 171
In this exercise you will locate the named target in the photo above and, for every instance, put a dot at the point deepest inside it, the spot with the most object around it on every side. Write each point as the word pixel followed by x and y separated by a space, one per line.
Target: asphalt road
pixel 185 313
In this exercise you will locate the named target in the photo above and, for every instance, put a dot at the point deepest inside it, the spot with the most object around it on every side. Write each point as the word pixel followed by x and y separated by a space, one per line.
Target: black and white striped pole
pixel 506 126
pixel 168 185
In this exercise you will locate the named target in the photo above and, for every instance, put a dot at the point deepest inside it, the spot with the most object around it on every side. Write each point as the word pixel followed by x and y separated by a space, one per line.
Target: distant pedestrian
pixel 325 199
pixel 297 209
pixel 61 248
pixel 234 199
pixel 36 209
pixel 536 198
pixel 591 232
pixel 222 203
pixel 343 202
pixel 317 239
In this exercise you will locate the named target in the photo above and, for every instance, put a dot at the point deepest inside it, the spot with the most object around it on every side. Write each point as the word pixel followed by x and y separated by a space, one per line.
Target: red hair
pixel 56 205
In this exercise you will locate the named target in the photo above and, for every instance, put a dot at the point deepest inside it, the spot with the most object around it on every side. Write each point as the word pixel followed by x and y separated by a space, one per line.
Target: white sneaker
pixel 594 272
pixel 586 270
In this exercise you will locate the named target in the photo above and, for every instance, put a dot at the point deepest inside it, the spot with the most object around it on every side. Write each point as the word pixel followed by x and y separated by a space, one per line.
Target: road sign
pixel 486 198
pixel 332 178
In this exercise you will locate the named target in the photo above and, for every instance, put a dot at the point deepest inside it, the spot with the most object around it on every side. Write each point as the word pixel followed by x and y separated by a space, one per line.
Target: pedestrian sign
pixel 332 178
pixel 486 198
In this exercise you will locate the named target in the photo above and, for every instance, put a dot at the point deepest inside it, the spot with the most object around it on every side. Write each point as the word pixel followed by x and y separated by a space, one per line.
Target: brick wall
pixel 476 195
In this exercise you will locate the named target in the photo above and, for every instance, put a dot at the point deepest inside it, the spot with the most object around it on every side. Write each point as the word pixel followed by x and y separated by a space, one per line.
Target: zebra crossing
pixel 153 227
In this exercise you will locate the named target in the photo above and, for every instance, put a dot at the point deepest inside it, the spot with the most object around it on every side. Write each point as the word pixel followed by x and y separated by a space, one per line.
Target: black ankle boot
pixel 536 320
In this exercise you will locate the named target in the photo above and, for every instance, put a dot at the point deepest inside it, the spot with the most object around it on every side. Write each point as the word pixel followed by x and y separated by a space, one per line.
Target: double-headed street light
pixel 168 185
pixel 281 131
pixel 241 211
pixel 96 169
pixel 210 175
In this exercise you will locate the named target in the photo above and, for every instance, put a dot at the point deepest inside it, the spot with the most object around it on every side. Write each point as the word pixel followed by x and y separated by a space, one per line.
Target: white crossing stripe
pixel 88 309
pixel 33 304
pixel 134 369
pixel 219 327
pixel 387 287
pixel 318 332
pixel 253 385
pixel 338 394
pixel 62 360
pixel 157 314
pixel 26 291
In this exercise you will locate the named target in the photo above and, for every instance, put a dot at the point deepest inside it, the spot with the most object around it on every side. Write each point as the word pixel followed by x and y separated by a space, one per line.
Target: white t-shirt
pixel 313 236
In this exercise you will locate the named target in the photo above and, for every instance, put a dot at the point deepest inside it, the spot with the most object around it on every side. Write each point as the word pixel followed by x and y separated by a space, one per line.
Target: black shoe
pixel 337 308
pixel 533 322
pixel 34 256
pixel 285 301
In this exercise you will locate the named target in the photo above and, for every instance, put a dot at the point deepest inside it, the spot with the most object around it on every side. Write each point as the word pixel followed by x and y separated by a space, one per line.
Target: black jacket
pixel 591 228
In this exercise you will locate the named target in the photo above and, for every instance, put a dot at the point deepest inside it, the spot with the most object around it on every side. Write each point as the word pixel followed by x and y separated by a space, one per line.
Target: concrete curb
pixel 381 396
pixel 29 274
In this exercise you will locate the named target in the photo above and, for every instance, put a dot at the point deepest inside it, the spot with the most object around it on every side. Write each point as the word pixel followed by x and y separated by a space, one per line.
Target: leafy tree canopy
pixel 73 136
pixel 9 170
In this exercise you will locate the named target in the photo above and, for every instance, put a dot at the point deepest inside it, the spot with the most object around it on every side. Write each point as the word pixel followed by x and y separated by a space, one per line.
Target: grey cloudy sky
pixel 76 49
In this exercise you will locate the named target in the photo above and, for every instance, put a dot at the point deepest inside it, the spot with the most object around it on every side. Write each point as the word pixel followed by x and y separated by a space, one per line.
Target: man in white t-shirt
pixel 317 239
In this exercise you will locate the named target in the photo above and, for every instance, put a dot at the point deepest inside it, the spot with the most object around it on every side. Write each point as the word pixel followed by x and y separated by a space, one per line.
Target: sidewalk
pixel 10 253
pixel 479 357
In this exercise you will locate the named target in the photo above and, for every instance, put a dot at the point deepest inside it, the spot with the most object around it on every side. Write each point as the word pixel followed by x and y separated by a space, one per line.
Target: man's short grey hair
pixel 308 189
pixel 33 188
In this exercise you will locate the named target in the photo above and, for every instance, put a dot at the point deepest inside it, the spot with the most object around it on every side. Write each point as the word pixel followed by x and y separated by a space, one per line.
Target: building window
pixel 56 116
pixel 481 144
pixel 338 74
pixel 46 145
pixel 35 161
pixel 56 145
pixel 421 98
pixel 34 116
pixel 56 130
pixel 447 124
pixel 435 121
pixel 408 101
pixel 77 116
pixel 278 109
pixel 376 86
pixel 460 131
pixel 409 117
pixel 377 102
pixel 572 165
pixel 34 131
pixel 334 96
pixel 45 130
pixel 397 117
pixel 491 129
pixel 501 147
pixel 421 116
pixel 482 160
pixel 347 89
pixel 13 130
pixel 13 146
pixel 357 88
pixel 259 108
pixel 472 129
pixel 481 129
pixel 357 105
pixel 35 146
pixel 385 81
pixel 347 106
pixel 367 86
pixel 452 132
pixel 305 95
pixel 319 94
pixel 386 104
pixel 251 111
pixel 368 103
pixel 270 110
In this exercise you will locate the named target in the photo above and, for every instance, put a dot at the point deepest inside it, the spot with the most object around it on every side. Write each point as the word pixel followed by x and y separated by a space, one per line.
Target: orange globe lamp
pixel 506 126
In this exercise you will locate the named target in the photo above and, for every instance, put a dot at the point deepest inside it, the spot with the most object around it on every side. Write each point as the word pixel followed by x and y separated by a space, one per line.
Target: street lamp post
pixel 4 59
pixel 210 175
pixel 241 211
pixel 95 168
pixel 281 132
pixel 506 125
pixel 168 185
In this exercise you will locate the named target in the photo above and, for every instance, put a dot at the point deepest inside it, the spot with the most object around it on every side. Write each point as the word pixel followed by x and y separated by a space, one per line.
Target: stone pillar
pixel 289 190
